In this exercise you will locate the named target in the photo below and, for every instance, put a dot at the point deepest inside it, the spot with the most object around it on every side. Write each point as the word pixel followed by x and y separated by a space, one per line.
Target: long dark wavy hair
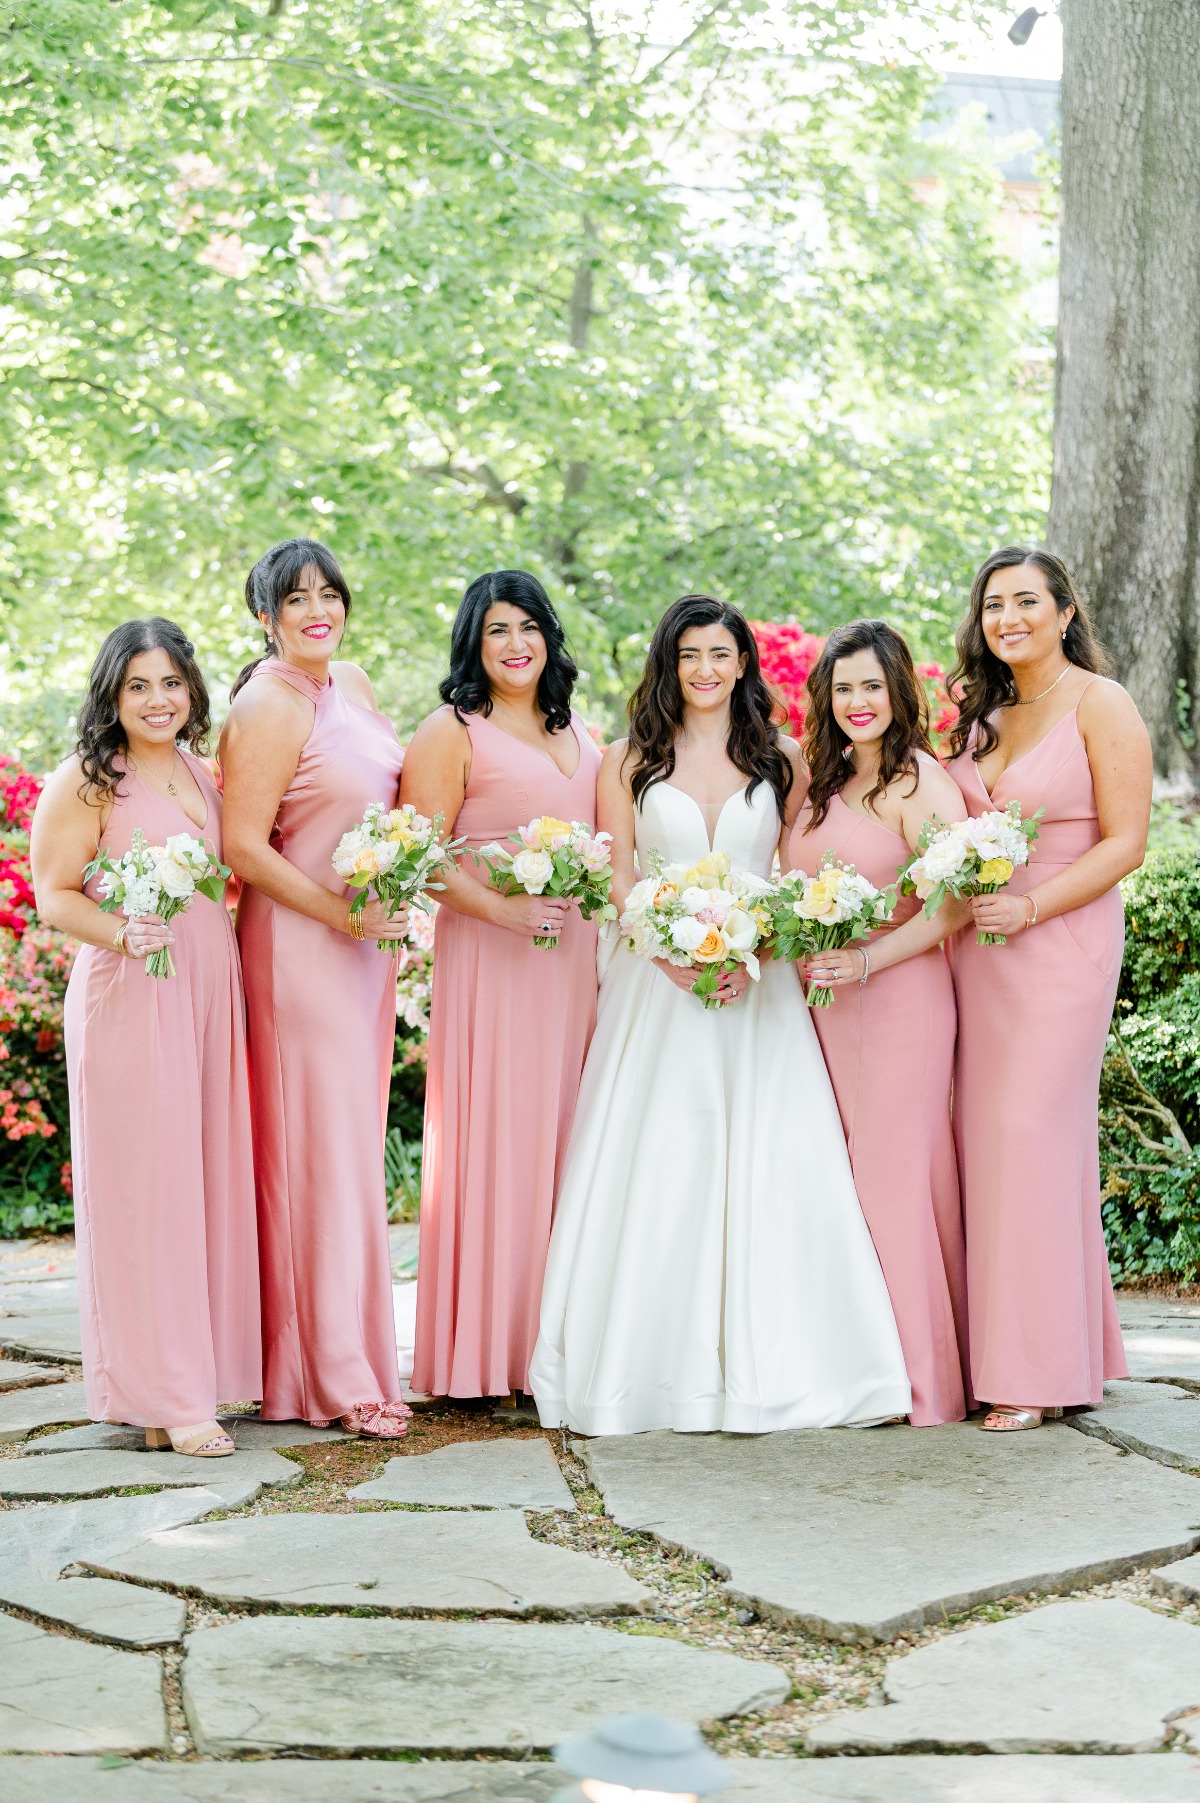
pixel 656 709
pixel 274 578
pixel 980 682
pixel 466 689
pixel 100 735
pixel 824 741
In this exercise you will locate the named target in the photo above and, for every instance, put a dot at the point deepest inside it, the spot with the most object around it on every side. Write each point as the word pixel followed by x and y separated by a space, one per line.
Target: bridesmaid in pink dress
pixel 160 1111
pixel 1039 725
pixel 888 1034
pixel 304 751
pixel 510 1021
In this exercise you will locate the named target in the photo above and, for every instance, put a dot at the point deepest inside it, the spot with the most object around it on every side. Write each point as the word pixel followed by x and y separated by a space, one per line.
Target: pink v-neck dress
pixel 160 1154
pixel 509 1030
pixel 1033 1018
pixel 889 1046
pixel 322 1016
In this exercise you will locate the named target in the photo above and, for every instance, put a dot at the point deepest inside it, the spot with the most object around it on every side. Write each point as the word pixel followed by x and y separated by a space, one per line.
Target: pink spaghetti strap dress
pixel 161 1155
pixel 509 1029
pixel 322 1018
pixel 1033 1019
pixel 889 1046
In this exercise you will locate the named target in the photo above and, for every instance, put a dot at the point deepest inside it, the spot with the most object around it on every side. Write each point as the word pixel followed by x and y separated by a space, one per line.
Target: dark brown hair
pixel 273 579
pixel 981 682
pixel 656 710
pixel 824 741
pixel 466 689
pixel 100 735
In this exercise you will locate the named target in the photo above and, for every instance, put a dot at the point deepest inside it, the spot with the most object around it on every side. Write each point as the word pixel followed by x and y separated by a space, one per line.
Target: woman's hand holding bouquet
pixel 970 857
pixel 704 917
pixel 560 862
pixel 154 883
pixel 393 855
pixel 826 912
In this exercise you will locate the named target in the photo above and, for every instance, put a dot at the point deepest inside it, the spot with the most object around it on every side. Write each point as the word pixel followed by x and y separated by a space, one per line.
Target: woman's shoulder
pixel 354 683
pixel 440 732
pixel 1103 701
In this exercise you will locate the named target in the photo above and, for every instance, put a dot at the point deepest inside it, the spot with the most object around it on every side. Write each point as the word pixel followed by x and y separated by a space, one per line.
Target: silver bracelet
pixel 866 967
pixel 1033 922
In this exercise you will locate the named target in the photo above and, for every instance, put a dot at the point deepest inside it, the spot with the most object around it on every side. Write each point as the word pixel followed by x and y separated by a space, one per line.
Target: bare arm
pixel 796 794
pixel 263 737
pixel 437 768
pixel 66 831
pixel 614 814
pixel 1122 764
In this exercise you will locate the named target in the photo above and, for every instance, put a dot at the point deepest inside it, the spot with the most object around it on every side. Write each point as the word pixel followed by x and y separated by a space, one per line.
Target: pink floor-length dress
pixel 322 1018
pixel 889 1047
pixel 1033 1018
pixel 161 1156
pixel 509 1030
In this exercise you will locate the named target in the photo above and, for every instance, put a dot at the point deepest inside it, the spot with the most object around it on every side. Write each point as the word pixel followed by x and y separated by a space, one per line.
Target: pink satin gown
pixel 161 1156
pixel 889 1047
pixel 1033 1018
pixel 509 1030
pixel 322 1017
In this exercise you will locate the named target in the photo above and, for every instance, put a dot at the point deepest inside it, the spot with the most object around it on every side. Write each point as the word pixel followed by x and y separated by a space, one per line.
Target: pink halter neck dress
pixel 160 1153
pixel 322 1019
pixel 889 1046
pixel 509 1030
pixel 1033 1018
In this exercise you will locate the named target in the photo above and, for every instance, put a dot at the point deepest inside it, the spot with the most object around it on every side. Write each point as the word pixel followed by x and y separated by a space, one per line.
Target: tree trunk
pixel 1126 491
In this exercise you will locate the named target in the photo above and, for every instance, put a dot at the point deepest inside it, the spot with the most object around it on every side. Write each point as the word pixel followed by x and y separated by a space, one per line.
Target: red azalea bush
pixel 35 962
pixel 788 653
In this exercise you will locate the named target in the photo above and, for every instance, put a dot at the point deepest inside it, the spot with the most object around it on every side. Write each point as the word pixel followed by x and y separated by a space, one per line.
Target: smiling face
pixel 708 664
pixel 862 704
pixel 513 649
pixel 154 705
pixel 1022 622
pixel 311 619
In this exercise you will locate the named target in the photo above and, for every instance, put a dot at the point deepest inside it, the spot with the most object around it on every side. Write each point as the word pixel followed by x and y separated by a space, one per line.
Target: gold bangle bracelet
pixel 119 941
pixel 356 927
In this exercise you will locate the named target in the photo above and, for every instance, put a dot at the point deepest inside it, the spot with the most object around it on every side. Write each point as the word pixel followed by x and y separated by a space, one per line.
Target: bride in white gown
pixel 710 1268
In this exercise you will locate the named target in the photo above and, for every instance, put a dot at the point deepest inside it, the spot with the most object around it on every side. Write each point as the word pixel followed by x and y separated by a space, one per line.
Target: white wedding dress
pixel 710 1268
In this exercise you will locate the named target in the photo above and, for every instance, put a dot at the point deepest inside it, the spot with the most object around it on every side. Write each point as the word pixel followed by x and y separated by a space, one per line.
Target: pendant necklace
pixel 172 789
pixel 1045 692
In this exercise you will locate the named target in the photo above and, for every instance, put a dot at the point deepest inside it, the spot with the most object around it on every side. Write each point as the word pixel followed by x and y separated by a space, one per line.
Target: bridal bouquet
pixel 969 857
pixel 393 854
pixel 562 858
pixel 823 913
pixel 706 917
pixel 158 879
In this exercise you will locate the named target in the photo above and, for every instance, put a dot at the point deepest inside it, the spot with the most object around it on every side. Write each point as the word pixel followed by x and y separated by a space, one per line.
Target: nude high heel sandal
pixel 200 1445
pixel 1003 1420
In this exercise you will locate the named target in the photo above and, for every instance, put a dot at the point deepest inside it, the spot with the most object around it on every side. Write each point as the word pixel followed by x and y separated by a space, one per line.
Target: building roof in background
pixel 1015 108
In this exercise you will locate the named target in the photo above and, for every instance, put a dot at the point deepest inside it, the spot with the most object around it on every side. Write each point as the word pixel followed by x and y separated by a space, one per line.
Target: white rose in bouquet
pixel 693 899
pixel 688 934
pixel 533 870
pixel 184 849
pixel 641 896
pixel 945 857
pixel 175 879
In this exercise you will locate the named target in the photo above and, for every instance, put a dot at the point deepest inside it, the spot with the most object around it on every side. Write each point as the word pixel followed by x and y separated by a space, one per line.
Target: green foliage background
pixel 507 282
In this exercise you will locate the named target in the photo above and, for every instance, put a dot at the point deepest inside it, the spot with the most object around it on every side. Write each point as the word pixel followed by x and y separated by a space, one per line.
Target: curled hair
pixel 100 735
pixel 981 682
pixel 656 710
pixel 274 577
pixel 466 688
pixel 824 741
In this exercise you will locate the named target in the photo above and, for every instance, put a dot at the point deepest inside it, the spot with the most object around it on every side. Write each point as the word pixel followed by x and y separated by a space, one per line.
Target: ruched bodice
pixel 670 822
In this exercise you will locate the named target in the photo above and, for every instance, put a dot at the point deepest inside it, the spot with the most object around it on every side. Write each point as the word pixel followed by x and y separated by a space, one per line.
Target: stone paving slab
pixel 1180 1581
pixel 59 1695
pixel 1127 1389
pixel 48 1336
pixel 1088 1676
pixel 40 1542
pixel 409 1563
pixel 277 1681
pixel 17 1374
pixel 23 1410
pixel 475 1474
pixel 248 1433
pixel 99 1607
pixel 863 1536
pixel 1029 1779
pixel 92 1473
pixel 1168 1432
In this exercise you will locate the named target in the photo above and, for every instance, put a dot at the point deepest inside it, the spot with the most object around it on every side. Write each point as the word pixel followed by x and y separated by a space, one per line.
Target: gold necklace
pixel 1045 692
pixel 172 790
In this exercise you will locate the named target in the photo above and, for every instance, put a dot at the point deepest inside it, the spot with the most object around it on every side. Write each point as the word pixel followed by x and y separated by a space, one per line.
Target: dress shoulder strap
pixel 300 680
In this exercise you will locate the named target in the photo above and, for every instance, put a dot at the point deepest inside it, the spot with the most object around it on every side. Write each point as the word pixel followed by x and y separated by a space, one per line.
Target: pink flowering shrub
pixel 414 986
pixel 789 652
pixel 35 962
